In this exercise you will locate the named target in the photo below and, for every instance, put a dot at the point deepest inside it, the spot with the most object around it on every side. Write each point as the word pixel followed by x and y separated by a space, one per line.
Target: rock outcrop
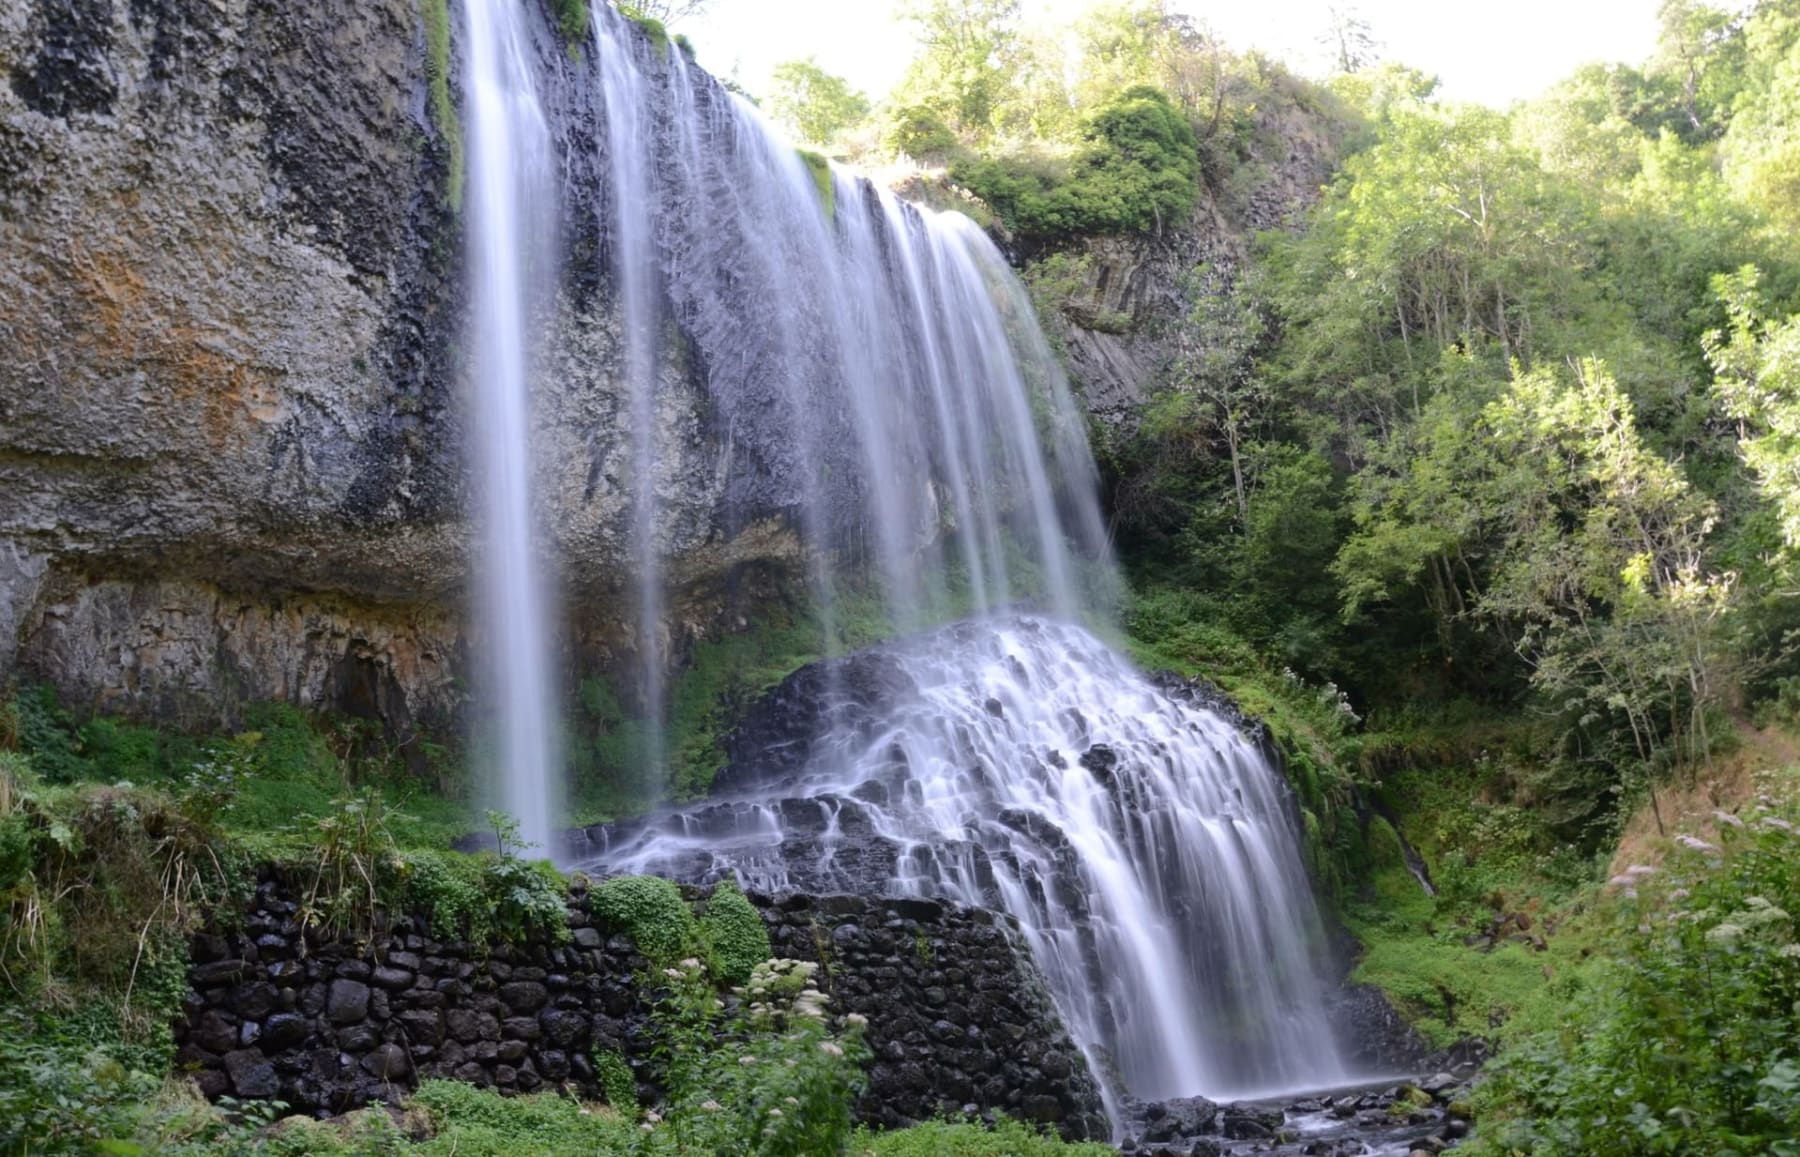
pixel 231 437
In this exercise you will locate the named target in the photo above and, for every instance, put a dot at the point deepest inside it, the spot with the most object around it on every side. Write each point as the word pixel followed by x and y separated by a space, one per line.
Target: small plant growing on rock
pixel 736 939
pixel 774 1079
pixel 651 911
pixel 616 1081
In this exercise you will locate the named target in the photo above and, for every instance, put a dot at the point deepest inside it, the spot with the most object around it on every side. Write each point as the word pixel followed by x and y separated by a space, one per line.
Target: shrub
pixel 57 1099
pixel 736 938
pixel 491 897
pixel 918 132
pixel 447 889
pixel 1688 1044
pixel 1138 170
pixel 651 911
pixel 1007 1138
pixel 616 1081
pixel 778 1082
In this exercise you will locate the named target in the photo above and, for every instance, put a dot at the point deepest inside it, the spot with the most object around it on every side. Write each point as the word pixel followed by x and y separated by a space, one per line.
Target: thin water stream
pixel 511 205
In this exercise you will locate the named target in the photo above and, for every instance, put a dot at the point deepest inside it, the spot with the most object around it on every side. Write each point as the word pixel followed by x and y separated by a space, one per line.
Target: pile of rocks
pixel 1407 1120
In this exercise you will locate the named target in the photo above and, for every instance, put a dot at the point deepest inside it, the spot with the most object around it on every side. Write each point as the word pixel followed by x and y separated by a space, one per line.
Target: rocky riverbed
pixel 1402 1119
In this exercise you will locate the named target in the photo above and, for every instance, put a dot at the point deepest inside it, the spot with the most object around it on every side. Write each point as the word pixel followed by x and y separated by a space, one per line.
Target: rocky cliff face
pixel 230 440
pixel 1116 317
pixel 231 418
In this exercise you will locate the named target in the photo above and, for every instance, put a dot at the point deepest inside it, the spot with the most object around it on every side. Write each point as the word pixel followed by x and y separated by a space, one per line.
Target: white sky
pixel 1495 53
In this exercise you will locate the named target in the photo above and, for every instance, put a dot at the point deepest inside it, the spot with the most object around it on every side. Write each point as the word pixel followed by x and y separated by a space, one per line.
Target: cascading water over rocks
pixel 1145 846
pixel 878 375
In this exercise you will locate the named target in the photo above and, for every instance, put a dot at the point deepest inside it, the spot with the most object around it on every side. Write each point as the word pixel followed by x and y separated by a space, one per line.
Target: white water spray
pixel 511 203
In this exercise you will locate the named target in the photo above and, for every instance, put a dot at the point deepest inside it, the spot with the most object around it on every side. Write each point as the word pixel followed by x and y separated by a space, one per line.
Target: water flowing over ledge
pixel 875 374
pixel 1145 845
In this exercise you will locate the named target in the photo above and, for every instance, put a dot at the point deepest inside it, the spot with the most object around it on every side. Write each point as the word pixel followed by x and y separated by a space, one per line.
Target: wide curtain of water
pixel 879 374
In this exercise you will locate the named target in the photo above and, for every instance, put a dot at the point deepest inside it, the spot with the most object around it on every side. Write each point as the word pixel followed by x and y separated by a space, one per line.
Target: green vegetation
pixel 652 912
pixel 616 1081
pixel 947 1139
pixel 1136 171
pixel 813 104
pixel 1685 1040
pixel 819 169
pixel 734 934
pixel 638 14
pixel 572 21
pixel 436 15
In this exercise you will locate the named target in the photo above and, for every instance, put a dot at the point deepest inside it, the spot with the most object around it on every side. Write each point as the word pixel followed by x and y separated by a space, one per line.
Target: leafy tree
pixel 1545 517
pixel 1758 383
pixel 965 64
pixel 815 104
pixel 1698 42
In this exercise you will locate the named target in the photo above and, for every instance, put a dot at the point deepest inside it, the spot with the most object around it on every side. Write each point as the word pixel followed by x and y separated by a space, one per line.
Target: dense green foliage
pixel 1690 1041
pixel 1136 171
pixel 1468 432
pixel 651 911
pixel 734 934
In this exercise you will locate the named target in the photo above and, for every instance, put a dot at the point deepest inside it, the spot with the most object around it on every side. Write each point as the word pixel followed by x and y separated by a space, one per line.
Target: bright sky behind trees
pixel 1480 52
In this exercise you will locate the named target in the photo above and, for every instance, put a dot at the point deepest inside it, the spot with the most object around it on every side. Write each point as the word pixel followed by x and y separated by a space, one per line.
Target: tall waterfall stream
pixel 885 367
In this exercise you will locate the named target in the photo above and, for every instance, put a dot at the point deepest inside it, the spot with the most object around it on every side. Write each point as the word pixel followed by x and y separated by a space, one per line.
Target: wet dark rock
pixel 251 1073
pixel 1181 1118
pixel 347 1001
pixel 388 1062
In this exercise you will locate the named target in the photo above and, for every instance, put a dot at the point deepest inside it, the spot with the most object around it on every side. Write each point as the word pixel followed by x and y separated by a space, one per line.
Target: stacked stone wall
pixel 959 1019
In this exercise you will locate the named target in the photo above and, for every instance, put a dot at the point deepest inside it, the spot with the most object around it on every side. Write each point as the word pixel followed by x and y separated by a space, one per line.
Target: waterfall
pixel 882 373
pixel 877 366
pixel 1145 846
pixel 511 206
pixel 875 374
pixel 631 225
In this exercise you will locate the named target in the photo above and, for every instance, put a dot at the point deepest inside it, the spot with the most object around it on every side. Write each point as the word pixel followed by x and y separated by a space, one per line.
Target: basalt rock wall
pixel 959 1020
pixel 231 413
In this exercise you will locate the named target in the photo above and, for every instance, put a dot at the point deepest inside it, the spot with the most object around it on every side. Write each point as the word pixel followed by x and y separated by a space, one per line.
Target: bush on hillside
pixel 1136 172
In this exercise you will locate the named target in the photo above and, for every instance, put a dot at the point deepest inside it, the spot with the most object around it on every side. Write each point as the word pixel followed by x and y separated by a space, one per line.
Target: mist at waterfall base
pixel 879 375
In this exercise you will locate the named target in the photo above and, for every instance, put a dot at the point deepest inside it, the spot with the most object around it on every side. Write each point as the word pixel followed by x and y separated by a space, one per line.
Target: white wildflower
pixel 831 1048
